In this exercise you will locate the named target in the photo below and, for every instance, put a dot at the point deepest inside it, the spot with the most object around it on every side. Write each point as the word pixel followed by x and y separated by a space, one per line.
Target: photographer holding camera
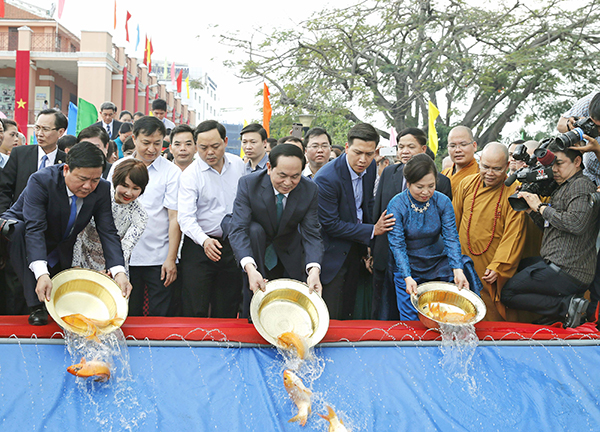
pixel 554 286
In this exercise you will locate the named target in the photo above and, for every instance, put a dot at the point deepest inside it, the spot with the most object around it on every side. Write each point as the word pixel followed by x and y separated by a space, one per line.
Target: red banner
pixel 22 89
pixel 267 111
pixel 127 17
pixel 135 94
pixel 124 88
pixel 179 81
pixel 147 106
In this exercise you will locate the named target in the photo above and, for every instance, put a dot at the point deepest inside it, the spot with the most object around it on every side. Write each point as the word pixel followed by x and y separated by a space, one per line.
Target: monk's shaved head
pixel 493 164
pixel 461 147
pixel 496 149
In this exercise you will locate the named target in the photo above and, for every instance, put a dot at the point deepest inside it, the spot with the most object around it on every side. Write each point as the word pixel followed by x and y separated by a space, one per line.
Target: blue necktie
pixel 43 162
pixel 270 254
pixel 108 131
pixel 53 256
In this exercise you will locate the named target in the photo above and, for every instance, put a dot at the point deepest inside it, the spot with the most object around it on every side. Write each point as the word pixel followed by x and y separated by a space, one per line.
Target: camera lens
pixel 569 139
pixel 594 199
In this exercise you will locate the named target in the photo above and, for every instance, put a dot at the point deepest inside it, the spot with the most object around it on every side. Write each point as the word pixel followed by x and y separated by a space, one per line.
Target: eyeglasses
pixel 319 146
pixel 461 145
pixel 495 170
pixel 42 129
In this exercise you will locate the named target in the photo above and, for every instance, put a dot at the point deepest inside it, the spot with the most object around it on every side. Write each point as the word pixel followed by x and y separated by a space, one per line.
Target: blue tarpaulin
pixel 375 388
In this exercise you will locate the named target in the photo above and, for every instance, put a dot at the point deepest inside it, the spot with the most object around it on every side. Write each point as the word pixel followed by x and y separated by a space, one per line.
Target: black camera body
pixel 7 226
pixel 583 126
pixel 536 178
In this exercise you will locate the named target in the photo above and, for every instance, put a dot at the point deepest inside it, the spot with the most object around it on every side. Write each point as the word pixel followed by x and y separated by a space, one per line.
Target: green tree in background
pixel 488 63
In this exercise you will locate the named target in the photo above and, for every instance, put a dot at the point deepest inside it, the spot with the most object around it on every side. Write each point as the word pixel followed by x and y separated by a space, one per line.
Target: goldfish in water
pixel 439 313
pixel 88 325
pixel 299 394
pixel 288 340
pixel 335 424
pixel 92 368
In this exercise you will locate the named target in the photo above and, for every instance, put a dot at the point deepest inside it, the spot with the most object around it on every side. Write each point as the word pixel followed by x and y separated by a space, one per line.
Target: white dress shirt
pixel 51 156
pixel 206 196
pixel 159 197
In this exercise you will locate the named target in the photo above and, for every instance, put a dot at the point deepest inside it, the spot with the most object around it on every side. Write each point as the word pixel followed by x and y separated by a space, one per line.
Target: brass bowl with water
pixel 447 296
pixel 89 293
pixel 286 305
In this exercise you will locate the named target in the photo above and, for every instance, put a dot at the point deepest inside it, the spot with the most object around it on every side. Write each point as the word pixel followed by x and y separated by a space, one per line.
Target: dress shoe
pixel 38 316
pixel 577 307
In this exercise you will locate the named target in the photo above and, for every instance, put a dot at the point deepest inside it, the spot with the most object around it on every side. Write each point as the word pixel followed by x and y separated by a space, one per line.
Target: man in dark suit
pixel 275 224
pixel 56 205
pixel 99 137
pixel 346 215
pixel 24 161
pixel 108 110
pixel 411 141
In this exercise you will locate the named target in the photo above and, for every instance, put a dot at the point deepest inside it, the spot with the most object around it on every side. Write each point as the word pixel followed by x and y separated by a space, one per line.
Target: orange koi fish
pixel 288 340
pixel 88 325
pixel 335 424
pixel 93 368
pixel 299 394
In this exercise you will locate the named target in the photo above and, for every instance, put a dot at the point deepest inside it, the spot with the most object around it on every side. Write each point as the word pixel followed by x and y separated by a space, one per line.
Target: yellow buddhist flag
pixel 242 154
pixel 187 86
pixel 433 138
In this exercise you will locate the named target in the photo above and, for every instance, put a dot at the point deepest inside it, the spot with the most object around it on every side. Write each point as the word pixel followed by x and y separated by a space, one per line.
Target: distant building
pixel 64 68
pixel 233 134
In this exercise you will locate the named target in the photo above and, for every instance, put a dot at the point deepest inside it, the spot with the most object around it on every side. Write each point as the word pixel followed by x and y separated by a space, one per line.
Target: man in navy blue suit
pixel 56 205
pixel 346 216
pixel 275 224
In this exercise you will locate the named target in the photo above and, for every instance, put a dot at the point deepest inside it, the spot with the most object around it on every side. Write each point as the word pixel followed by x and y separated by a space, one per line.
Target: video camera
pixel 536 177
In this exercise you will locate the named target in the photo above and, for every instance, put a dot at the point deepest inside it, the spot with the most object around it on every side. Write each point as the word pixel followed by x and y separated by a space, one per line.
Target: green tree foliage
pixel 486 62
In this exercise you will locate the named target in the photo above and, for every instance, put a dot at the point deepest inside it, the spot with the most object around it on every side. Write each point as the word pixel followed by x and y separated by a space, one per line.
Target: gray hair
pixel 108 106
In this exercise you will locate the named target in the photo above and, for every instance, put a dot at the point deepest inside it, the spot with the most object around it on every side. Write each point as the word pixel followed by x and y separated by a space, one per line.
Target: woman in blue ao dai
pixel 424 242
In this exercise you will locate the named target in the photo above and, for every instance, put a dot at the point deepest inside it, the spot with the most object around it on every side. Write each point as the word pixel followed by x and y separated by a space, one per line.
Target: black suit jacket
pixel 45 208
pixel 22 163
pixel 115 127
pixel 337 213
pixel 390 184
pixel 297 242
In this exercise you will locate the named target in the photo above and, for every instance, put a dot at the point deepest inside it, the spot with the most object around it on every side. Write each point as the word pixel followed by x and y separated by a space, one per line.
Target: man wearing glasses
pixel 490 231
pixel 24 161
pixel 317 143
pixel 461 148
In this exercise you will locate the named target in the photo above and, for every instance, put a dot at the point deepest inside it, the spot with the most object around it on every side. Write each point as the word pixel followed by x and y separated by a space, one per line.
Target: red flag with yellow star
pixel 22 89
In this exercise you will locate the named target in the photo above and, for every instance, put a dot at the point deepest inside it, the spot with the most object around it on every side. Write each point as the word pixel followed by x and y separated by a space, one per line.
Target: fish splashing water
pixel 335 424
pixel 88 325
pixel 440 313
pixel 93 368
pixel 299 394
pixel 289 340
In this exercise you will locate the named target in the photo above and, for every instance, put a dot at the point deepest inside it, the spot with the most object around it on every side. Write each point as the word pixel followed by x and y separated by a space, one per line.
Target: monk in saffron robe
pixel 461 148
pixel 490 231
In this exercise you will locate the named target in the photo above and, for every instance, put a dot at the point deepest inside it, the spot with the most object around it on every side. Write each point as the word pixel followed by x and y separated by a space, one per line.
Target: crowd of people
pixel 187 229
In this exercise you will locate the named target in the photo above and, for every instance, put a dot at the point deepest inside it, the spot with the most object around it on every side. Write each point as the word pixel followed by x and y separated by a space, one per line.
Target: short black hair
pixel 419 135
pixel 571 153
pixel 159 104
pixel 208 125
pixel 128 145
pixel 272 142
pixel 418 167
pixel 126 127
pixel 84 154
pixel 291 138
pixel 594 108
pixel 60 121
pixel 135 169
pixel 148 125
pixel 180 129
pixel 316 131
pixel 123 113
pixel 363 131
pixel 6 122
pixel 94 132
pixel 255 127
pixel 66 142
pixel 138 113
pixel 340 149
pixel 286 150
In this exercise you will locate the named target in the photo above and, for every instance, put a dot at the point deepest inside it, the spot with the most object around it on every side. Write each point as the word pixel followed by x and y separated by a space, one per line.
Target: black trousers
pixel 159 296
pixel 384 306
pixel 340 293
pixel 541 289
pixel 595 285
pixel 210 285
pixel 14 299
